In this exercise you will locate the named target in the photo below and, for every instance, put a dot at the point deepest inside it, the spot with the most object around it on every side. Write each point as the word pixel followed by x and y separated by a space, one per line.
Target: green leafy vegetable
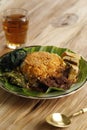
pixel 11 60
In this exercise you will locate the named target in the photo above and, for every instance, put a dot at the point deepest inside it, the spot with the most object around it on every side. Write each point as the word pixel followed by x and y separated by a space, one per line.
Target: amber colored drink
pixel 15 27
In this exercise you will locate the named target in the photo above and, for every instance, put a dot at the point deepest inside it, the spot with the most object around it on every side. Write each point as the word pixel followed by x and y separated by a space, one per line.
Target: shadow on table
pixel 45 126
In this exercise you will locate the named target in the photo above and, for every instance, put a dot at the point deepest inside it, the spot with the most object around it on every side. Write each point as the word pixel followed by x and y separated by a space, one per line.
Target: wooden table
pixel 62 23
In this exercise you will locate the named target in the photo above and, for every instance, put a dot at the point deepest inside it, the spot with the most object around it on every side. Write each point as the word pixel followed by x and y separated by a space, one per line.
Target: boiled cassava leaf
pixel 11 60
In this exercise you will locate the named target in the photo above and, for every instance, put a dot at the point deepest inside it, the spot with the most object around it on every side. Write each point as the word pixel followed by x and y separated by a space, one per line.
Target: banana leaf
pixel 13 59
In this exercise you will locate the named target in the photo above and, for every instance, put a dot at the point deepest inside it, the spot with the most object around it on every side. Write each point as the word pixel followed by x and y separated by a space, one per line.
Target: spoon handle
pixel 82 111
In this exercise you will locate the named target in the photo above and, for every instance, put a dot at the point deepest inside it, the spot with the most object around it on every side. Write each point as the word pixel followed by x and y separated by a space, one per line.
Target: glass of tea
pixel 15 25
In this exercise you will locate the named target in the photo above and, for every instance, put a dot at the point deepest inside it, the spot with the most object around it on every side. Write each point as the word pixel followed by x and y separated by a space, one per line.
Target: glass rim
pixel 7 11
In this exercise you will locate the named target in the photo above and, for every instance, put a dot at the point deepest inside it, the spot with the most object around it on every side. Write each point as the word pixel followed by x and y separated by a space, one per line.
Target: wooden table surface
pixel 62 23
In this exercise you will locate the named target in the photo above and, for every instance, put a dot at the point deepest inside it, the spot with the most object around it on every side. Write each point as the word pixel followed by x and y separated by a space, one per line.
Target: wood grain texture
pixel 61 23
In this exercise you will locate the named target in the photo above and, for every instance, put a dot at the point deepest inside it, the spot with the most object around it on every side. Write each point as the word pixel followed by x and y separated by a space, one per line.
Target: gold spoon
pixel 61 120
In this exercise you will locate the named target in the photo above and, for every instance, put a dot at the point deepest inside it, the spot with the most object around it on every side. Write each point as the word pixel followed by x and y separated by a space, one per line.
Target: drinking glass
pixel 15 25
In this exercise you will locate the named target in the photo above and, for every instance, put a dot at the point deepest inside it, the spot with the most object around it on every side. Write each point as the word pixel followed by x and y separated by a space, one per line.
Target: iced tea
pixel 15 26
